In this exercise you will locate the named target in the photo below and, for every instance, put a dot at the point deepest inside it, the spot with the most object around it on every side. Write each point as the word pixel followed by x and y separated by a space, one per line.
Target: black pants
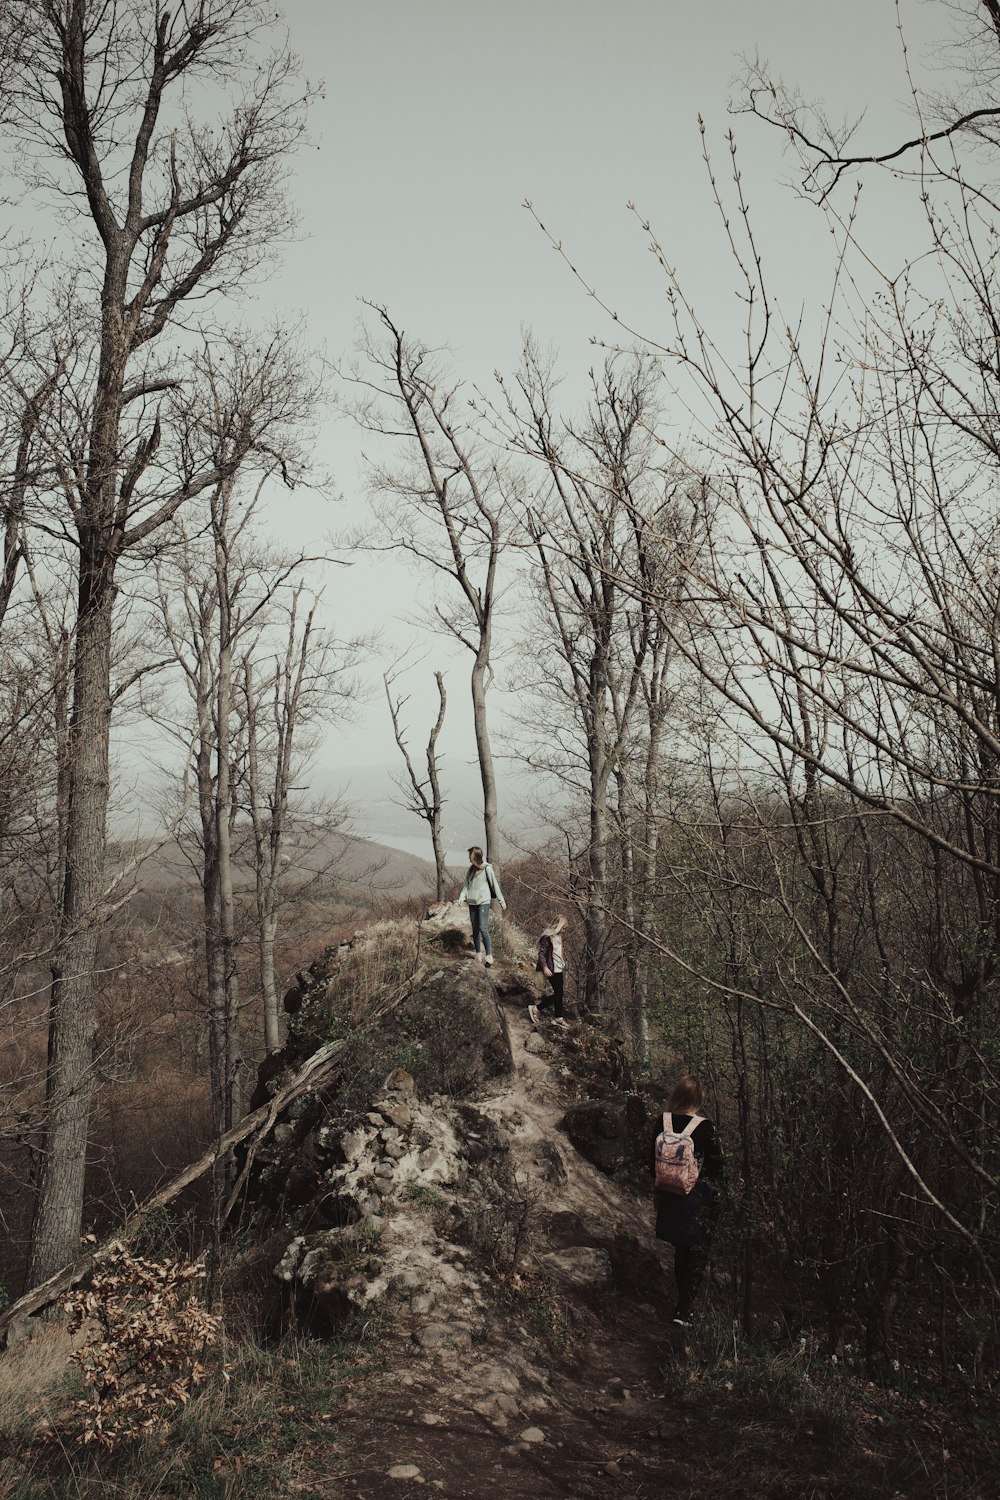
pixel 556 997
pixel 690 1262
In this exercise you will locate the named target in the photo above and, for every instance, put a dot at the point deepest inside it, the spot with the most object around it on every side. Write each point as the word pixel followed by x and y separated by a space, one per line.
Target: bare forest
pixel 747 663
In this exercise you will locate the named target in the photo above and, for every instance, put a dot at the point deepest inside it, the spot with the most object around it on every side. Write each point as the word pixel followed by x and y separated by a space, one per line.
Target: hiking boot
pixel 488 960
pixel 533 1015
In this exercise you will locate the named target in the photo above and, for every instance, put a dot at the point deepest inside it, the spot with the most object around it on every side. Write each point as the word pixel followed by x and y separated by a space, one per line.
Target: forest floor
pixel 591 1391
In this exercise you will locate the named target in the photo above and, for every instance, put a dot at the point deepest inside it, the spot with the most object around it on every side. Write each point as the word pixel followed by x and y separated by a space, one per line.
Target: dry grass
pixel 262 1427
pixel 34 1379
pixel 385 956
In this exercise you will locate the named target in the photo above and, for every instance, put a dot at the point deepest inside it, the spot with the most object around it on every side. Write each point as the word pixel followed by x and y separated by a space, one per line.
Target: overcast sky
pixel 439 117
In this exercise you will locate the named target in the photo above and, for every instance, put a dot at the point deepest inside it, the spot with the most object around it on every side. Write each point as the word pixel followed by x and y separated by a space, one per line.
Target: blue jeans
pixel 479 916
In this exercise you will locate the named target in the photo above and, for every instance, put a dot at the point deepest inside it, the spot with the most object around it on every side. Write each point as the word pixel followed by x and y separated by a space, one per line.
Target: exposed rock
pixel 406 1281
pixel 293 999
pixel 447 923
pixel 549 1162
pixel 514 981
pixel 534 1042
pixel 354 1143
pixel 583 1266
pixel 610 1133
pixel 288 1264
pixel 498 1407
pixel 404 1471
pixel 340 1260
pixel 405 1192
pixel 443 1335
pixel 495 1377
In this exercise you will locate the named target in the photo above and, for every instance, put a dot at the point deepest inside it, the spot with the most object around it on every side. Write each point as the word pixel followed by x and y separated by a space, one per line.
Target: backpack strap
pixel 692 1124
pixel 488 868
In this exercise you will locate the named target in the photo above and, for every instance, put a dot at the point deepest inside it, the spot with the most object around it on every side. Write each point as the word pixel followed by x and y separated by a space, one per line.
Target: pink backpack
pixel 676 1169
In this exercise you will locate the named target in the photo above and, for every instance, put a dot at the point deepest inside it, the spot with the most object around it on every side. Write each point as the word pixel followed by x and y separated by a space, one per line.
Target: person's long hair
pixel 687 1096
pixel 559 925
pixel 478 862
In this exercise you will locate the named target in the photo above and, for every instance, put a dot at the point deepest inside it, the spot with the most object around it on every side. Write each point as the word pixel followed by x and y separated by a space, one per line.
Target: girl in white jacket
pixel 480 889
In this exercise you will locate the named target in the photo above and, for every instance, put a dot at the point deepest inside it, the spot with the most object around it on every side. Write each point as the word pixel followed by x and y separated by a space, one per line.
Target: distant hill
pixel 355 870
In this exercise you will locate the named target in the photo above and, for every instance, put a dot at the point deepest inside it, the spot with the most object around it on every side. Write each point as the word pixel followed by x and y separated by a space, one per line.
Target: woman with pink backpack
pixel 688 1169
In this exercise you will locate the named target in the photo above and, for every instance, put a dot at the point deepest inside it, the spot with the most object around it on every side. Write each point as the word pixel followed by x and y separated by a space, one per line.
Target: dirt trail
pixel 538 1099
pixel 491 1422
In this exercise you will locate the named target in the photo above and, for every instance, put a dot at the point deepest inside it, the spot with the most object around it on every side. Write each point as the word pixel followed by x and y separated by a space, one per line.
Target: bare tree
pixel 424 796
pixel 32 364
pixel 443 505
pixel 843 620
pixel 216 590
pixel 106 104
pixel 286 693
pixel 598 516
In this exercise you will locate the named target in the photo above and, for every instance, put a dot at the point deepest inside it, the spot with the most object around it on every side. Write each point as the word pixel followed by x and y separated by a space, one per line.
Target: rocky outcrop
pixel 401 1184
pixel 396 1216
pixel 449 1030
pixel 399 1193
pixel 610 1133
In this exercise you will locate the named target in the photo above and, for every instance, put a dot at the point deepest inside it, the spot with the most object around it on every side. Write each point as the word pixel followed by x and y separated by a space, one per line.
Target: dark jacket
pixel 689 1218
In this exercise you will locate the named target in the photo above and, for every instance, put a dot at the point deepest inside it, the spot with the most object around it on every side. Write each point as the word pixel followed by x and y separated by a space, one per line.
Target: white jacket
pixel 477 891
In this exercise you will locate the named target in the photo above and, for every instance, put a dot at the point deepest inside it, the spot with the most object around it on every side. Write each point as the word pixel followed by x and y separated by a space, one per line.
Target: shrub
pixel 144 1357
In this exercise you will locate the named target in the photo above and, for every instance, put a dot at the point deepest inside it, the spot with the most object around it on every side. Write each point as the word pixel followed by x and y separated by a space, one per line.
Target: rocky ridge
pixel 449 1210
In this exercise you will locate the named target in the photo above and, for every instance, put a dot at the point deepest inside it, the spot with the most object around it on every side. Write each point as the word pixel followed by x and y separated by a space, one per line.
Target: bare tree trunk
pixel 630 909
pixel 428 808
pixel 440 873
pixel 165 232
pixel 266 856
pixel 227 1082
pixel 215 991
pixel 268 983
pixel 595 912
pixel 643 957
pixel 70 1076
pixel 646 879
pixel 457 495
pixel 485 752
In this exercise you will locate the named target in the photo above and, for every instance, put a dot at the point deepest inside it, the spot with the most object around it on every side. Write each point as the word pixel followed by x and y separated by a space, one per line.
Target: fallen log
pixel 317 1069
